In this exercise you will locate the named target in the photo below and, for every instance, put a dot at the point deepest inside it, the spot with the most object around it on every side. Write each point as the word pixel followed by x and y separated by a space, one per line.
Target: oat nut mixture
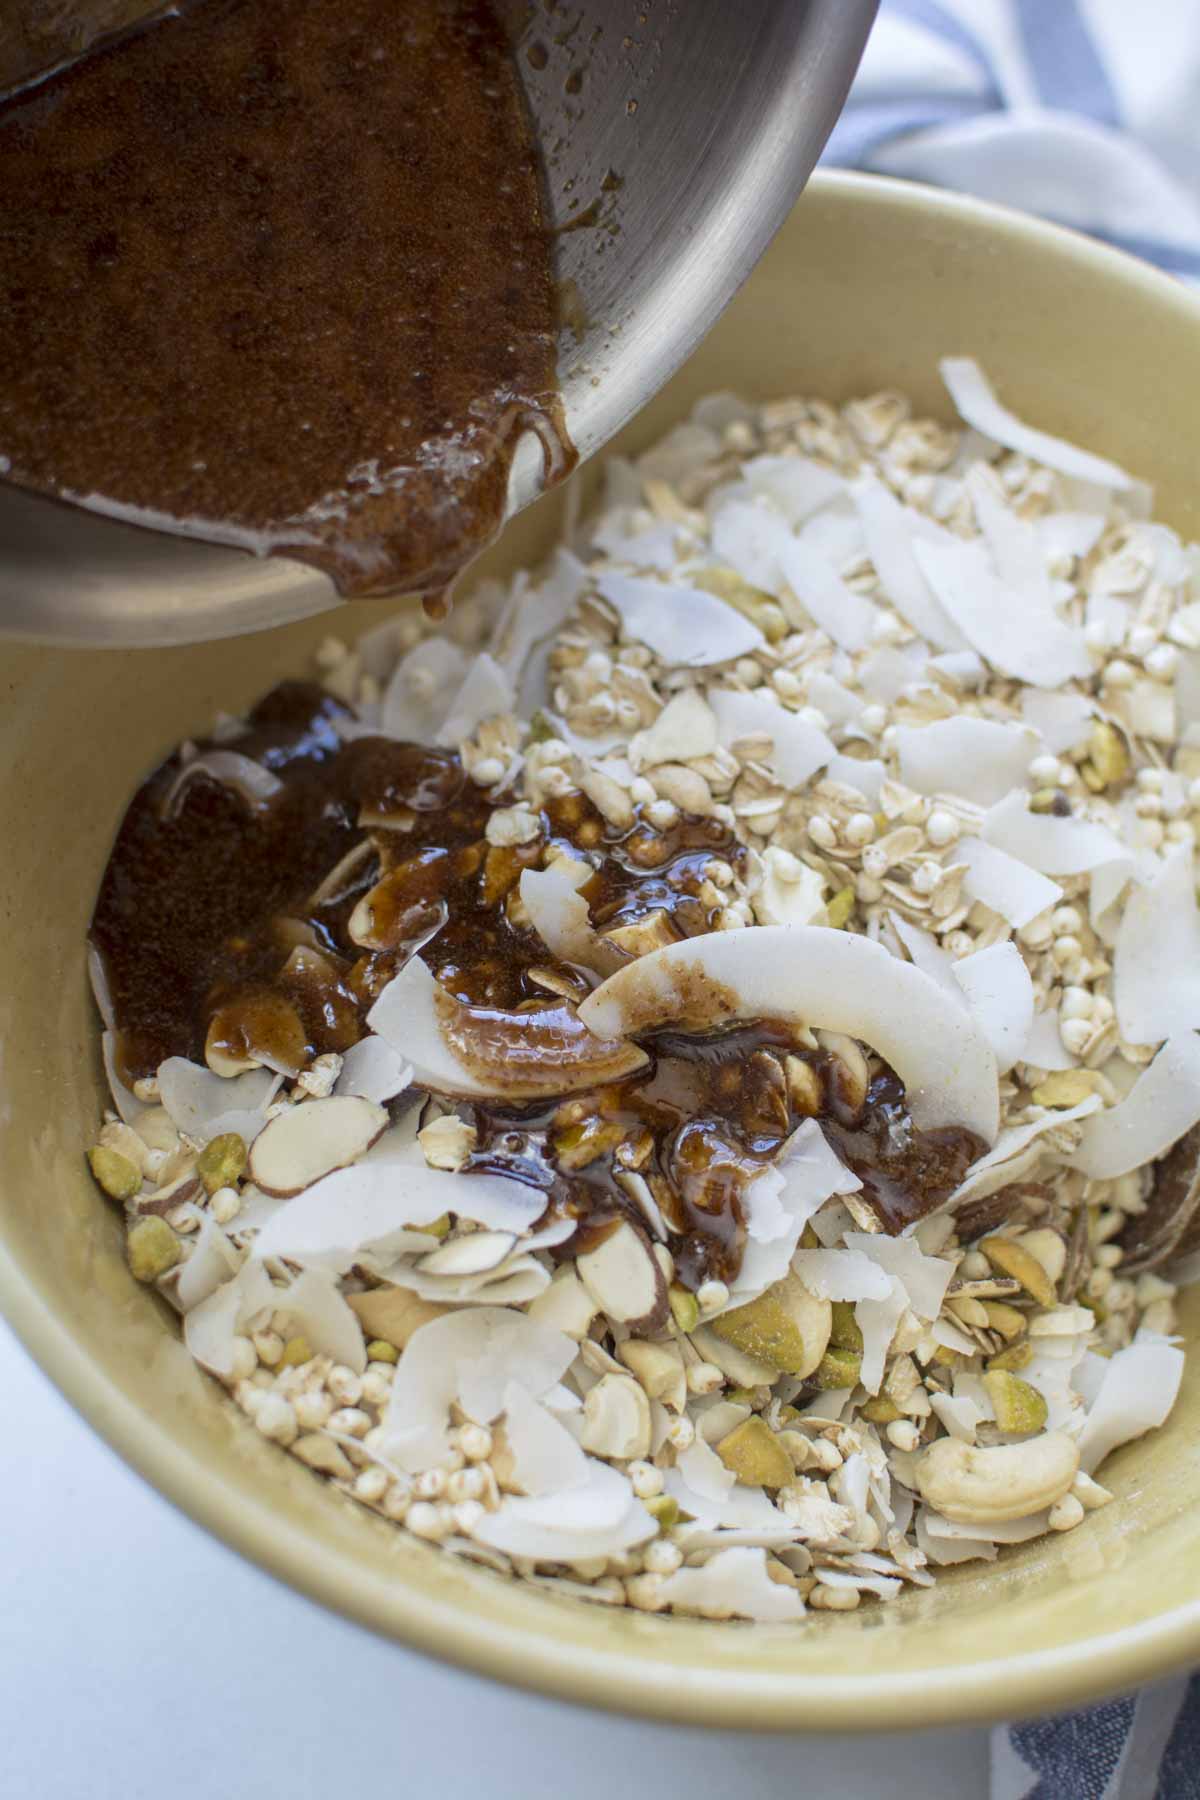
pixel 684 1087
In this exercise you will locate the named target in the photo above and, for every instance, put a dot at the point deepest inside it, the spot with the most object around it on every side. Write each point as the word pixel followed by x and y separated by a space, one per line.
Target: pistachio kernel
pixel 685 1309
pixel 838 1369
pixel 222 1162
pixel 152 1249
pixel 1013 1259
pixel 1017 1356
pixel 664 1509
pixel 296 1352
pixel 838 911
pixel 844 1333
pixel 879 1410
pixel 1017 1405
pixel 1109 757
pixel 120 1178
pixel 755 1455
pixel 378 1350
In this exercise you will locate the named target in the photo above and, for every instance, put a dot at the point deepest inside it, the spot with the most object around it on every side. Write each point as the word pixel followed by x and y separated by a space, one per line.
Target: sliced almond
pixel 565 1305
pixel 623 1277
pixel 474 1254
pixel 312 1140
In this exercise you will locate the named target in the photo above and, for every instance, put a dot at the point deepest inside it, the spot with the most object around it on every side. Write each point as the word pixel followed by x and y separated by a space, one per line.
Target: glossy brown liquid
pixel 277 275
pixel 222 922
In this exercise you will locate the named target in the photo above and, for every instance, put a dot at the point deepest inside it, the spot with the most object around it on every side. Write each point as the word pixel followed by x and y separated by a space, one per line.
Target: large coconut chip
pixel 1156 968
pixel 980 759
pixel 827 980
pixel 684 626
pixel 1163 1103
pixel 976 402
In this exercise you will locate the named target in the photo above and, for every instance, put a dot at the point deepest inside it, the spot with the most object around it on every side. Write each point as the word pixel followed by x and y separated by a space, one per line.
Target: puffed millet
pixel 475 1442
pixel 646 1480
pixel 941 828
pixel 313 1410
pixel 351 1420
pixel 245 1359
pixel 398 1498
pixel 645 1592
pixel 344 1385
pixel 371 1485
pixel 225 1205
pixel 276 1419
pixel 467 1515
pixel 712 1296
pixel 834 1599
pixel 431 1485
pixel 903 1434
pixel 1066 1513
pixel 662 1557
pixel 681 1433
pixel 426 1521
pixel 377 1384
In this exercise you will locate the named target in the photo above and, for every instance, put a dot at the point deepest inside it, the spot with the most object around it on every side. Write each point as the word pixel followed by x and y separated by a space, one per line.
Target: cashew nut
pixel 617 1418
pixel 986 1486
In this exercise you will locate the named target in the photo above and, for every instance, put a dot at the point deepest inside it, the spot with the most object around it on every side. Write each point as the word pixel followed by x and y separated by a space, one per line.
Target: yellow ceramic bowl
pixel 868 284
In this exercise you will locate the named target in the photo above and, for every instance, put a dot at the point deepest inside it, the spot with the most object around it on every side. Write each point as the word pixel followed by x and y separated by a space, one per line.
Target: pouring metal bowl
pixel 675 140
pixel 868 284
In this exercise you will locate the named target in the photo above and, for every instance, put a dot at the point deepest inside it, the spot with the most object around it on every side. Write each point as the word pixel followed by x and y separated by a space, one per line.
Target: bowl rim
pixel 1012 1686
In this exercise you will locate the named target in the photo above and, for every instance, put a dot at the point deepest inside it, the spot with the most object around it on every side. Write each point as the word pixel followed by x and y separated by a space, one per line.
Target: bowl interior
pixel 868 284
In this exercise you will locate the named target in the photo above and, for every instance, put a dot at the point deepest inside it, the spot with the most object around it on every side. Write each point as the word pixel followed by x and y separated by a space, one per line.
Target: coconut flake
pixel 789 891
pixel 891 530
pixel 799 749
pixel 372 1069
pixel 979 759
pixel 796 485
pixel 422 685
pixel 686 728
pixel 779 1203
pixel 927 954
pixel 409 1013
pixel 1069 534
pixel 231 769
pixel 1156 968
pixel 1044 1048
pixel 559 914
pixel 685 627
pixel 321 1314
pixel 1016 1151
pixel 214 1259
pixel 1007 626
pixel 1062 721
pixel 1049 845
pixel 841 1275
pixel 999 991
pixel 123 1098
pixel 198 1100
pixel 1138 1389
pixel 824 979
pixel 546 1458
pixel 529 618
pixel 975 402
pixel 486 691
pixel 923 1278
pixel 469 1357
pixel 210 1327
pixel 598 1518
pixel 101 993
pixel 1009 887
pixel 864 774
pixel 1017 554
pixel 732 1584
pixel 1163 1103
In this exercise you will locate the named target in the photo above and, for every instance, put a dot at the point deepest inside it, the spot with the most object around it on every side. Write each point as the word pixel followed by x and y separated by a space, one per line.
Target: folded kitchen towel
pixel 1087 112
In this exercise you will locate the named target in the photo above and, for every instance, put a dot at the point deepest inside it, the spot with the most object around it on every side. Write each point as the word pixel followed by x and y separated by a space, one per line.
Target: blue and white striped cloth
pixel 1087 112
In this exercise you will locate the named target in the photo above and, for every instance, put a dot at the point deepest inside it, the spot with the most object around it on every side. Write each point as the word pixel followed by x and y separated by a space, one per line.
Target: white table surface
pixel 140 1658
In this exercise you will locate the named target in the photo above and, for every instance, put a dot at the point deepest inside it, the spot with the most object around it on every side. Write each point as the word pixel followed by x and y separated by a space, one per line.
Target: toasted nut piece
pixel 221 1162
pixel 1005 1319
pixel 838 1369
pixel 755 1455
pixel 653 931
pixel 839 908
pixel 665 1509
pixel 879 1410
pixel 320 1452
pixel 1050 1249
pixel 805 1093
pixel 120 1178
pixel 447 1143
pixel 584 1143
pixel 850 1073
pixel 394 1313
pixel 1065 1087
pixel 1109 757
pixel 844 1332
pixel 1010 1258
pixel 606 795
pixel 658 1367
pixel 1017 1356
pixel 683 787
pixel 116 1135
pixel 747 1371
pixel 565 1305
pixel 786 1327
pixel 973 1485
pixel 299 1146
pixel 624 1279
pixel 685 1308
pixel 152 1248
pixel 617 1418
pixel 1017 1405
